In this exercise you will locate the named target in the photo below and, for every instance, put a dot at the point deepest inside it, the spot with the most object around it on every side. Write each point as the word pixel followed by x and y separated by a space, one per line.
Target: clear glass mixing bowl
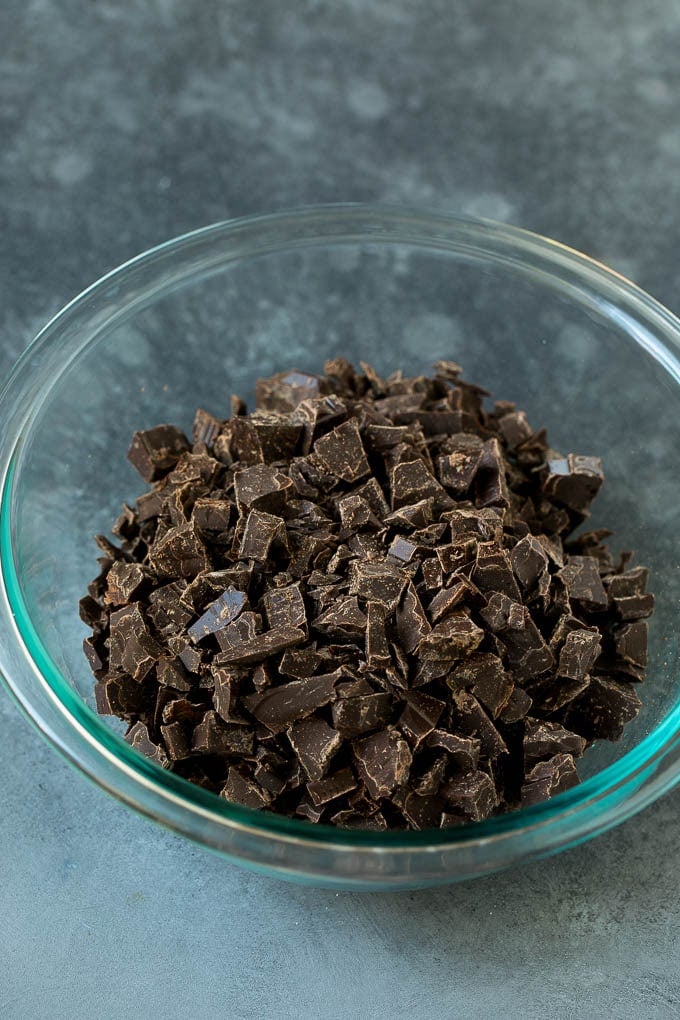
pixel 576 345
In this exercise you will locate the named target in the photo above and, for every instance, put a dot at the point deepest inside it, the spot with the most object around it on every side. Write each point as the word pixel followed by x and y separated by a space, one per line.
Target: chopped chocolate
pixel 353 716
pixel 156 451
pixel 283 392
pixel 632 582
pixel 420 717
pixel 632 607
pixel 579 652
pixel 383 762
pixel 378 582
pixel 377 647
pixel 474 722
pixel 344 620
pixel 132 649
pixel 219 614
pixel 261 487
pixel 366 604
pixel 138 737
pixel 322 791
pixel 544 739
pixel 412 623
pixel 548 778
pixel 314 742
pixel 584 585
pixel 411 482
pixel 463 751
pixel 472 795
pixel 258 647
pixel 341 452
pixel 631 645
pixel 214 736
pixel 279 707
pixel 573 481
pixel 242 790
pixel 260 531
pixel 604 708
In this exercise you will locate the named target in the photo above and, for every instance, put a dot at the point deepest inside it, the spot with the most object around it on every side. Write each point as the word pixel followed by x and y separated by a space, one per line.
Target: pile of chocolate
pixel 361 604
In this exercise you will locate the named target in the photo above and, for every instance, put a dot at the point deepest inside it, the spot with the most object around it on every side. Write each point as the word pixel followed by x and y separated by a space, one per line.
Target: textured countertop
pixel 126 122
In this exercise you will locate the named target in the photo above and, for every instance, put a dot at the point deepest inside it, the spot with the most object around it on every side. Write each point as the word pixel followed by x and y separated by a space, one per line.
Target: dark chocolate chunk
pixel 573 481
pixel 474 722
pixel 156 451
pixel 279 707
pixel 631 644
pixel 463 751
pixel 314 743
pixel 544 739
pixel 604 708
pixel 402 549
pixel 219 614
pixel 240 789
pixel 123 582
pixel 632 607
pixel 517 707
pixel 341 452
pixel 490 486
pixel 413 483
pixel 283 392
pixel 493 571
pixel 259 647
pixel 412 623
pixel 549 778
pixel 420 716
pixel 515 429
pixel 353 716
pixel 138 737
pixel 584 585
pixel 579 652
pixel 171 672
pixel 378 582
pixel 383 762
pixel 213 736
pixel 344 620
pixel 261 487
pixel 378 576
pixel 212 515
pixel 179 553
pixel 226 690
pixel 132 649
pixel 632 582
pixel 472 795
pixel 530 564
pixel 457 469
pixel 377 647
pixel 260 532
pixel 285 607
pixel 322 791
pixel 526 649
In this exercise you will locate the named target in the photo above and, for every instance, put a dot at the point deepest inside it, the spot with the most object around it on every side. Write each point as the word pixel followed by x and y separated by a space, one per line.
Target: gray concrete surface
pixel 125 123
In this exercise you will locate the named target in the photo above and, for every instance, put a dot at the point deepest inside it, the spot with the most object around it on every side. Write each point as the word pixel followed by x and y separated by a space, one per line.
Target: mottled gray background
pixel 125 123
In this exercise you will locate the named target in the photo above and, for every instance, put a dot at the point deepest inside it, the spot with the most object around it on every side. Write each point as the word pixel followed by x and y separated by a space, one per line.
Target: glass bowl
pixel 581 349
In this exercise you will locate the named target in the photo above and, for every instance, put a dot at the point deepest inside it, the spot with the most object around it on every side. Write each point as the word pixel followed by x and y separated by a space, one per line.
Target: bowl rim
pixel 612 794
